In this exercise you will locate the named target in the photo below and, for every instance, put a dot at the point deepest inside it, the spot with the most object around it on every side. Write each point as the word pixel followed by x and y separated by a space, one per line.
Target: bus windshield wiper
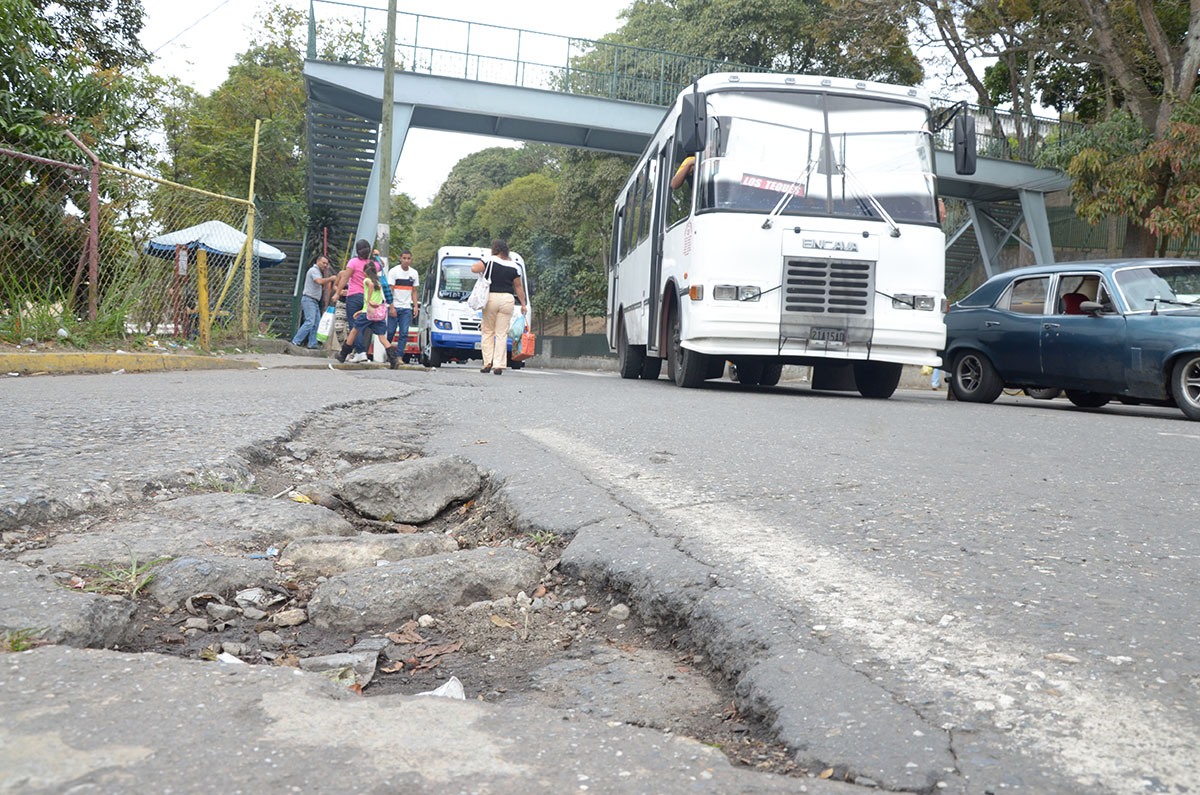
pixel 862 191
pixel 789 193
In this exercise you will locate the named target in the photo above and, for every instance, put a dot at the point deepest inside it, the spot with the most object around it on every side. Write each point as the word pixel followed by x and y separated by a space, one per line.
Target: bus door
pixel 661 184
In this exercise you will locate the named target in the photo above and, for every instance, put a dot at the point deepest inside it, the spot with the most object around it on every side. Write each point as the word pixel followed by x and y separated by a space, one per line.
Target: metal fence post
pixel 467 54
pixel 248 276
pixel 93 224
pixel 202 298
pixel 517 65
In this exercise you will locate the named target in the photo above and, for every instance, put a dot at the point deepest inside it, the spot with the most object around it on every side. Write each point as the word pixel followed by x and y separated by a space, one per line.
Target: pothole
pixel 562 643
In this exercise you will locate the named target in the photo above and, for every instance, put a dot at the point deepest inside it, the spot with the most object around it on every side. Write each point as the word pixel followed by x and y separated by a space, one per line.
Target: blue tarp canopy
pixel 217 238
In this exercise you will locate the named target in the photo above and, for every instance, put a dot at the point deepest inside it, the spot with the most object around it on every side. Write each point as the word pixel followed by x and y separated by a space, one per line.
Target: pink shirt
pixel 355 266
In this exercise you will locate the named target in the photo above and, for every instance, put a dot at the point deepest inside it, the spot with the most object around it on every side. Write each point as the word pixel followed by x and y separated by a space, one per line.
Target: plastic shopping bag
pixel 517 327
pixel 325 327
pixel 526 349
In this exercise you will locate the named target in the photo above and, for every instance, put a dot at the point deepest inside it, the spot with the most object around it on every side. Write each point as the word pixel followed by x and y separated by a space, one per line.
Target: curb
pixel 76 363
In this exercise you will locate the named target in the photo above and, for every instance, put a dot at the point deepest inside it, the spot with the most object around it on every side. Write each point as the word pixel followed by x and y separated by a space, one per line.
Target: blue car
pixel 1126 330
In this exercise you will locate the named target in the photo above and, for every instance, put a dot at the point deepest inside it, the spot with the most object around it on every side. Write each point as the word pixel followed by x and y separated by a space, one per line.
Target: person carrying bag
pixel 504 291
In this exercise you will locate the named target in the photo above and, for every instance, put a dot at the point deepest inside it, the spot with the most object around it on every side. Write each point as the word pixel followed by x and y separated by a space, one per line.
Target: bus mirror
pixel 692 128
pixel 964 143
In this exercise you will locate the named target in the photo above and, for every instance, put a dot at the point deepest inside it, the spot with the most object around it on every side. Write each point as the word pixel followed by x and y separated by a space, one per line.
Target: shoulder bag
pixel 478 298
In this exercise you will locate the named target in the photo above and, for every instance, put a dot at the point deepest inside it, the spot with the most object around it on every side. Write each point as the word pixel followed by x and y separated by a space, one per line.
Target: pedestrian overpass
pixel 608 98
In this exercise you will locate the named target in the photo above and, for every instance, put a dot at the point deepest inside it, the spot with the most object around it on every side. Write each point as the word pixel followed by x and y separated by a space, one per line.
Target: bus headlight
pixel 749 293
pixel 725 292
pixel 445 325
pixel 925 303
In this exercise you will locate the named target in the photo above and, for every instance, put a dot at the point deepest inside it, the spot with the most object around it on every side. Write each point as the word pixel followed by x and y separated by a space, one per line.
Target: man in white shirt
pixel 404 281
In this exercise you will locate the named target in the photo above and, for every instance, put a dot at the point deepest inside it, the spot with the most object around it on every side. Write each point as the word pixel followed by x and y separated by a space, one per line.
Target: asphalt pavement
pixel 931 594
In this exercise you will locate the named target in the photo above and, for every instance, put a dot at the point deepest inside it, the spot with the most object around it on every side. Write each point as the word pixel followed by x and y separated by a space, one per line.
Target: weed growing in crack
pixel 14 640
pixel 542 539
pixel 210 481
pixel 120 580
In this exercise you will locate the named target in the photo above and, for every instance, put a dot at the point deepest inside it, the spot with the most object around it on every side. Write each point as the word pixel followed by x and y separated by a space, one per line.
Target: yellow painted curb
pixel 64 363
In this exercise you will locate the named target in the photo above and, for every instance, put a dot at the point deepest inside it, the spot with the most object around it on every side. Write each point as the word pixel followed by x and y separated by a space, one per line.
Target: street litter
pixel 270 553
pixel 302 498
pixel 225 657
pixel 257 597
pixel 119 372
pixel 451 689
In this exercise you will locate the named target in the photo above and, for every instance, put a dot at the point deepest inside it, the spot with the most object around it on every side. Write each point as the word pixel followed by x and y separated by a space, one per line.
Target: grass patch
pixel 210 481
pixel 121 580
pixel 14 640
pixel 542 539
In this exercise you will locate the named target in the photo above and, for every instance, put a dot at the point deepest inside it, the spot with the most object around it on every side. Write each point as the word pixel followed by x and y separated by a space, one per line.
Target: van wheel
pixel 631 359
pixel 686 367
pixel 1185 385
pixel 975 378
pixel 877 380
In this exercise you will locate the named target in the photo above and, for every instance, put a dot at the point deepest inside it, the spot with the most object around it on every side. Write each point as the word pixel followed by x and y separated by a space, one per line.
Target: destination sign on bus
pixel 766 183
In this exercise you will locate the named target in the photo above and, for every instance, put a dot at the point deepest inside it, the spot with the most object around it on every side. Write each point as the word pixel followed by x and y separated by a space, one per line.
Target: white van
pixel 449 329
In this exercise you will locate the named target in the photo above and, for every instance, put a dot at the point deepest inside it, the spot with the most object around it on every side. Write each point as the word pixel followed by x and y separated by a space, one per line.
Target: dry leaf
pixel 502 622
pixel 302 498
pixel 395 669
pixel 826 773
pixel 683 669
pixel 355 688
pixel 407 634
pixel 539 592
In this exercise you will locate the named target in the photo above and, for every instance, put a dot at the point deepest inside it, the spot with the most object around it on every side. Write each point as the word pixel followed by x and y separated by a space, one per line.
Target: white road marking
pixel 1184 435
pixel 1059 712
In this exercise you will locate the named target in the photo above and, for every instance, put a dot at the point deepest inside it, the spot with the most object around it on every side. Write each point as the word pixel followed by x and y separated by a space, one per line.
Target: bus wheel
pixel 687 368
pixel 877 379
pixel 631 359
pixel 435 357
pixel 772 372
pixel 651 367
pixel 749 372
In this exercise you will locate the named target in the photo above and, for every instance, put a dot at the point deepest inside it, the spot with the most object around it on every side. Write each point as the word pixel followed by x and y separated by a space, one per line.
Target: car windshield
pixel 457 281
pixel 1179 284
pixel 827 154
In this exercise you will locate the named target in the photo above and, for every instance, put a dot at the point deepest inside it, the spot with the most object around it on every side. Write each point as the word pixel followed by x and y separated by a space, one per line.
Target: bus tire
pixel 435 356
pixel 749 372
pixel 688 368
pixel 975 379
pixel 772 372
pixel 631 359
pixel 651 367
pixel 877 380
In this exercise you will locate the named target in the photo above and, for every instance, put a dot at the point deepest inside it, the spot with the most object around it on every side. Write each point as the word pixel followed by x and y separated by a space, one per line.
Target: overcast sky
pixel 197 42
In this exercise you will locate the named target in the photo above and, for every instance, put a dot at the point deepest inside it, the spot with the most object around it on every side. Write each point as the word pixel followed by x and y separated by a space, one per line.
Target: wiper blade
pixel 789 193
pixel 1173 301
pixel 861 189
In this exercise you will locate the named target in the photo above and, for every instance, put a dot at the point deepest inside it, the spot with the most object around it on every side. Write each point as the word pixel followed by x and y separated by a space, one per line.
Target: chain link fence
pixel 103 253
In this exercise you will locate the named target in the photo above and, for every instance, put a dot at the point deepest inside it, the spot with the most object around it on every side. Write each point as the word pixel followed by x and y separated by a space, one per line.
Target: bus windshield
pixel 456 280
pixel 818 154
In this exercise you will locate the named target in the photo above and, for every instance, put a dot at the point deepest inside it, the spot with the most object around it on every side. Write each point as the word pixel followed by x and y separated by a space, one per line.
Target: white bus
pixel 807 232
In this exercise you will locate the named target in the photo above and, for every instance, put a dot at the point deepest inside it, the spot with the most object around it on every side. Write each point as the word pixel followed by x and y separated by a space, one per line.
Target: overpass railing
pixel 354 33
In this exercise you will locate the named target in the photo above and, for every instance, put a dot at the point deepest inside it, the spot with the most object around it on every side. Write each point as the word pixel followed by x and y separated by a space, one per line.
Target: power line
pixel 194 24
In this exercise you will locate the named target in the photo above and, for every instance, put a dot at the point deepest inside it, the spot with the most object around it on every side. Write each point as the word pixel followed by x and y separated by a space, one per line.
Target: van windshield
pixel 456 281
pixel 830 153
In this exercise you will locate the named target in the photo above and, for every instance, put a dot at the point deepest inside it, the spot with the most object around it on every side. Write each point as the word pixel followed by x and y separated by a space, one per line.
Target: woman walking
pixel 506 290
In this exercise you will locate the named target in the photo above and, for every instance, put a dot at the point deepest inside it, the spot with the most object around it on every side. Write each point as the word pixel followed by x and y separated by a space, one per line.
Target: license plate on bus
pixel 827 335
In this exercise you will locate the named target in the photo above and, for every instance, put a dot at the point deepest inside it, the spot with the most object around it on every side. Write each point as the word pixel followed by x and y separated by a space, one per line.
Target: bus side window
pixel 626 217
pixel 634 215
pixel 647 201
pixel 679 206
pixel 614 246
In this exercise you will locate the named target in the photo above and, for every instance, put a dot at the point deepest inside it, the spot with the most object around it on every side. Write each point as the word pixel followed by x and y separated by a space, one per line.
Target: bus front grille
pixel 832 287
pixel 469 325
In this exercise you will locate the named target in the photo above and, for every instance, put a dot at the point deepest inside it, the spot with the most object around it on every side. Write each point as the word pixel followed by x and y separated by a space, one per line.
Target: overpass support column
pixel 368 219
pixel 1033 207
pixel 987 236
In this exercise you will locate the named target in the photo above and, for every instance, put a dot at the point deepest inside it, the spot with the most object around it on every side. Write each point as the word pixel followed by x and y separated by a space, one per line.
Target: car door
pixel 1084 351
pixel 1012 329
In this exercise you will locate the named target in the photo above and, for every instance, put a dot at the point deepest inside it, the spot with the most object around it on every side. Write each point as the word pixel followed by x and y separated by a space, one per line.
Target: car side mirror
pixel 1091 307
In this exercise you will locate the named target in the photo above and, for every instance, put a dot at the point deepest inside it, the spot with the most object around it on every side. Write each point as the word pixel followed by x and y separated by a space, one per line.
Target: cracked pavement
pixel 924 596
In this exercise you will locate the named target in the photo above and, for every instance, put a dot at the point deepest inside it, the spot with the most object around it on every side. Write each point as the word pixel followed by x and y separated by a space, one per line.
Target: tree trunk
pixel 1139 241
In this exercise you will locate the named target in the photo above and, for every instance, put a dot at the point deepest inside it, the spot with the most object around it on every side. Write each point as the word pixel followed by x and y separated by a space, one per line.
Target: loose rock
pixel 412 491
pixel 176 580
pixel 289 618
pixel 332 554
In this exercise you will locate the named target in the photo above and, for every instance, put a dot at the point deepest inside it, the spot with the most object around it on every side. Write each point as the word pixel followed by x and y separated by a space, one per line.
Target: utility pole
pixel 383 227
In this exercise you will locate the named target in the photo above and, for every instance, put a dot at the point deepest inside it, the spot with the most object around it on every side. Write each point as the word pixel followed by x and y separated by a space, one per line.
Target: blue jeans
pixel 354 304
pixel 308 329
pixel 402 321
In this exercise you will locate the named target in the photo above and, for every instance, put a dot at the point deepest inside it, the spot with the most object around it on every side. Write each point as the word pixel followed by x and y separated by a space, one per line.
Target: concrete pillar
pixel 369 217
pixel 987 236
pixel 1033 206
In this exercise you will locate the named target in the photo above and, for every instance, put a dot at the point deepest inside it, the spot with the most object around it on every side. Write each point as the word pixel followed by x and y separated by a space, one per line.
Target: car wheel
pixel 877 380
pixel 975 379
pixel 1049 393
pixel 687 367
pixel 1185 385
pixel 750 373
pixel 630 358
pixel 1086 400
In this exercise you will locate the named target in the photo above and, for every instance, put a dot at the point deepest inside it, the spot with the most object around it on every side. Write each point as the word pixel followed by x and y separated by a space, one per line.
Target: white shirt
pixel 400 278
